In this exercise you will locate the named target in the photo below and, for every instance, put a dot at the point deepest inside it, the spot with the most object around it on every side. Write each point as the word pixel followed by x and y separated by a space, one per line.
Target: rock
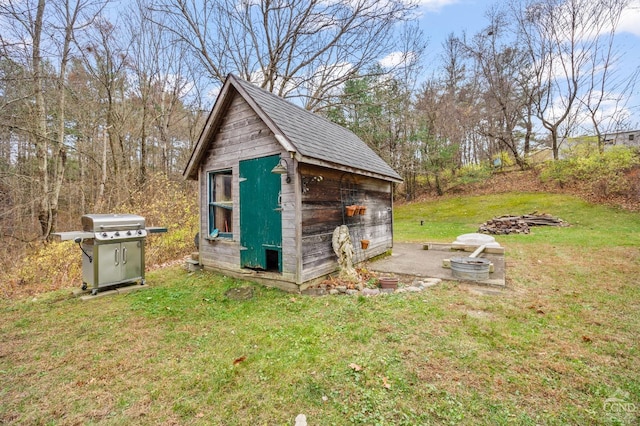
pixel 430 282
pixel 314 291
pixel 301 420
pixel 351 292
pixel 341 288
pixel 333 291
pixel 370 291
pixel 387 291
pixel 413 289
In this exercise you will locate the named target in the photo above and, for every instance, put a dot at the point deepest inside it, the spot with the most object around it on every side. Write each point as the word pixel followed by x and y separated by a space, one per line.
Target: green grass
pixel 591 225
pixel 550 350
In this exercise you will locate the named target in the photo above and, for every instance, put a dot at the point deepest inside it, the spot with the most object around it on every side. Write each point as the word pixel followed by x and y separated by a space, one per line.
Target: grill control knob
pixel 128 232
pixel 117 234
pixel 139 232
pixel 104 234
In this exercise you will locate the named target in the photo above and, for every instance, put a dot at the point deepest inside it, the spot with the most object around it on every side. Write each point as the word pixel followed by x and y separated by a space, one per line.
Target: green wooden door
pixel 260 215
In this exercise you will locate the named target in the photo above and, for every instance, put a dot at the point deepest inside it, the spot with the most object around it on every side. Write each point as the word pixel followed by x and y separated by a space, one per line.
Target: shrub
pixel 47 267
pixel 606 172
pixel 505 159
pixel 472 173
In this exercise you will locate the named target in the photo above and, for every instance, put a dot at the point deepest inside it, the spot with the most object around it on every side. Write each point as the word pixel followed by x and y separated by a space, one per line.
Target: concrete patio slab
pixel 413 259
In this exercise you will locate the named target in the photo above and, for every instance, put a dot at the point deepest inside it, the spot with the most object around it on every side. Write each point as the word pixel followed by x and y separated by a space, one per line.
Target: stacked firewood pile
pixel 509 224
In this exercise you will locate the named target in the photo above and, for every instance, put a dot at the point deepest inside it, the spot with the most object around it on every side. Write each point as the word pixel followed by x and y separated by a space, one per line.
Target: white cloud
pixel 630 19
pixel 330 73
pixel 397 58
pixel 435 5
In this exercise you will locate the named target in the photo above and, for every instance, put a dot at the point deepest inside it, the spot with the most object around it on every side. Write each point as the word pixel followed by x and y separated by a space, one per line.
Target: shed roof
pixel 312 138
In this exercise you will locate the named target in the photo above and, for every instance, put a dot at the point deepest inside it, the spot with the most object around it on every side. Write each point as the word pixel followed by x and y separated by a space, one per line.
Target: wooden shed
pixel 275 180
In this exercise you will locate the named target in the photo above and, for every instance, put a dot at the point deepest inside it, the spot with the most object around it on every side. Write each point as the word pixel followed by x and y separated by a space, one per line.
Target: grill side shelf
pixel 72 235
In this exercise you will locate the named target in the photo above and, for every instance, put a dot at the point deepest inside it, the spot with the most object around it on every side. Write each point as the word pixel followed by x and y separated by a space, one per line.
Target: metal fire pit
pixel 470 268
pixel 113 249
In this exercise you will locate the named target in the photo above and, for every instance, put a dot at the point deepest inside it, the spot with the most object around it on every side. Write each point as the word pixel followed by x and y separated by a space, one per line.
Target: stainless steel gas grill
pixel 112 249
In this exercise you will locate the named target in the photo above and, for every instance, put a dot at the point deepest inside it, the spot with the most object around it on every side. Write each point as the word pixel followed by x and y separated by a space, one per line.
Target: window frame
pixel 214 204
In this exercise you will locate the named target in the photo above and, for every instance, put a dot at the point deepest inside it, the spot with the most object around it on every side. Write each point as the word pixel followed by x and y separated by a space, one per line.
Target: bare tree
pixel 456 103
pixel 562 40
pixel 605 87
pixel 105 56
pixel 163 79
pixel 500 68
pixel 290 47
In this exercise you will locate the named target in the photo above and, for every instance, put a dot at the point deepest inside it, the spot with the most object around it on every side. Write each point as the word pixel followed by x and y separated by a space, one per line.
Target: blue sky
pixel 440 18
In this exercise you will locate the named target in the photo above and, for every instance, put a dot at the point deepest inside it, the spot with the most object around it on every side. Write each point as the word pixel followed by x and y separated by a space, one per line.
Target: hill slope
pixel 599 192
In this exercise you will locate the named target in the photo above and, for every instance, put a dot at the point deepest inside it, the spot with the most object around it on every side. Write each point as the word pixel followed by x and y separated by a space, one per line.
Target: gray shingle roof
pixel 314 136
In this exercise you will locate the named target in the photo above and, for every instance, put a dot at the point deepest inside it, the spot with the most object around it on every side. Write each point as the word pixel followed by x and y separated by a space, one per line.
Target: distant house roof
pixel 311 137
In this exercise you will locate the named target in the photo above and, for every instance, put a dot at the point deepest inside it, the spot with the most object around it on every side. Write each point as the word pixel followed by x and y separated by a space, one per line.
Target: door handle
pixel 124 255
pixel 117 260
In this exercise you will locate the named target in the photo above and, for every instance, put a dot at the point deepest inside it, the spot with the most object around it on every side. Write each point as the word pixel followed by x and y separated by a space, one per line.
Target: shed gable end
pixel 241 135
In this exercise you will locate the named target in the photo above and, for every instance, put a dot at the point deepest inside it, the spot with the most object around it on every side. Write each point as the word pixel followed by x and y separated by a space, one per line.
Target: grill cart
pixel 112 249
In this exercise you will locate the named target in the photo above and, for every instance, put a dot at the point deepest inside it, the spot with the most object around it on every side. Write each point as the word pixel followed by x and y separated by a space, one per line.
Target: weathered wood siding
pixel 325 192
pixel 242 135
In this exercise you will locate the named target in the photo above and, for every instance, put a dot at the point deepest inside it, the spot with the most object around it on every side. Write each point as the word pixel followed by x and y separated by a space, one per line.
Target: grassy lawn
pixel 551 349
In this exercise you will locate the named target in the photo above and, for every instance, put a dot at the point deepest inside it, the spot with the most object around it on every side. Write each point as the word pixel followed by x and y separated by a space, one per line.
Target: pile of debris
pixel 509 224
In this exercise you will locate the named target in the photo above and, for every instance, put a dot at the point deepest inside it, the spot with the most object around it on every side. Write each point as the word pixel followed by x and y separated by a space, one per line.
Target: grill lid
pixel 111 222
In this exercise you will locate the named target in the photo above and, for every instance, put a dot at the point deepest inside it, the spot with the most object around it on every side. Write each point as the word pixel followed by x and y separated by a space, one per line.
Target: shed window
pixel 220 204
pixel 631 137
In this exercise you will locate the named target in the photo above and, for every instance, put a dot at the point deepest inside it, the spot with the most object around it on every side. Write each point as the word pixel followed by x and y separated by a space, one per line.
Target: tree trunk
pixel 41 137
pixel 60 153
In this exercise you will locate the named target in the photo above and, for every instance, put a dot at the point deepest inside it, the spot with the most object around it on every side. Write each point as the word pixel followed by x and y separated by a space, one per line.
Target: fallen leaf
pixel 586 339
pixel 538 309
pixel 355 367
pixel 200 415
pixel 386 384
pixel 239 360
pixel 293 299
